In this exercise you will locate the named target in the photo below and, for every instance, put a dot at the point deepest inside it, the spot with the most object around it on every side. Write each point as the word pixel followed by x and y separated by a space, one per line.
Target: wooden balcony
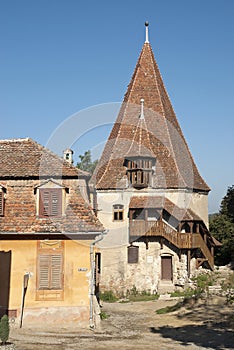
pixel 142 229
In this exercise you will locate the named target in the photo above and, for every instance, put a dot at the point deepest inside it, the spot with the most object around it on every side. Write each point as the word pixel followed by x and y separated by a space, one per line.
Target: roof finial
pixel 146 32
pixel 142 110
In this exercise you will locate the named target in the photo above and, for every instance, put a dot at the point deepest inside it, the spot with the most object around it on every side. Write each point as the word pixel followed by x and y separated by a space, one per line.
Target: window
pixel 50 202
pixel 1 202
pixel 139 171
pixel 118 210
pixel 133 254
pixel 50 271
pixel 50 266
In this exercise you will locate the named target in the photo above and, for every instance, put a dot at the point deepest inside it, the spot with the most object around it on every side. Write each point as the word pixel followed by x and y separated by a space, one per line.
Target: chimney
pixel 68 155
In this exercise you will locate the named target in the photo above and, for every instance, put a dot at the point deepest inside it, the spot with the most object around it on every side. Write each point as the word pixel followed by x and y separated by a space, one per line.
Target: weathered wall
pixel 117 274
pixel 120 276
pixel 75 304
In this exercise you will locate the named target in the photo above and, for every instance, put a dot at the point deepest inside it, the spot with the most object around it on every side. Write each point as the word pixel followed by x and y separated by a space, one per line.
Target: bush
pixel 4 329
pixel 108 296
pixel 202 283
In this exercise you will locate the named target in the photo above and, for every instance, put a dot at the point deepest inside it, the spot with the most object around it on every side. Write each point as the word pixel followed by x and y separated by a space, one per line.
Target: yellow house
pixel 48 261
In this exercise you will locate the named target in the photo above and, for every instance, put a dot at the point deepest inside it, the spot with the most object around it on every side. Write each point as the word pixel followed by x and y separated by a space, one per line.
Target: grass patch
pixel 188 293
pixel 108 296
pixel 143 297
pixel 168 309
pixel 104 316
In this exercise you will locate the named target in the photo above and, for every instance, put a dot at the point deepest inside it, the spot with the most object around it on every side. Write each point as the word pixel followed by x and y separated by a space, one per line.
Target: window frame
pixel 118 210
pixel 53 209
pixel 140 170
pixel 134 257
pixel 50 249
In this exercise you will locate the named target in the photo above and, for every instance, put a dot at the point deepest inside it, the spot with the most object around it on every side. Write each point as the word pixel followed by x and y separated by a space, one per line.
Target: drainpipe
pixel 92 289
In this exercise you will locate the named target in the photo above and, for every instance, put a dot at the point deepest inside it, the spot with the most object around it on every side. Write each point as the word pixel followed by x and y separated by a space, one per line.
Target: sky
pixel 61 58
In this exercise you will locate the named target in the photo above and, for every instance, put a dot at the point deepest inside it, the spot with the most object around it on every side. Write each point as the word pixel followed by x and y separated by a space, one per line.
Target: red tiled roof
pixel 160 203
pixel 26 162
pixel 159 134
pixel 22 158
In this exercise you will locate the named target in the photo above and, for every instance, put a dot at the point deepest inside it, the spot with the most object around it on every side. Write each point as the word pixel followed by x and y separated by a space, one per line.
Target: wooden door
pixel 166 262
pixel 5 275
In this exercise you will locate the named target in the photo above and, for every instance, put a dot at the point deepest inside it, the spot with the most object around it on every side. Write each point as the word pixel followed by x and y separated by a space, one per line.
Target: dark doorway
pixel 5 273
pixel 166 262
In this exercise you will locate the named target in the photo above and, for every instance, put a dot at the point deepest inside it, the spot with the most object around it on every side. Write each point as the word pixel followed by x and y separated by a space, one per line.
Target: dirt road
pixel 137 326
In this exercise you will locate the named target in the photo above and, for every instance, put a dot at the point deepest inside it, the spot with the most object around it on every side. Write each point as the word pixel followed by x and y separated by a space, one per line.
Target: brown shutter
pixel 133 253
pixel 50 271
pixel 1 203
pixel 50 202
pixel 56 271
pixel 56 202
pixel 44 268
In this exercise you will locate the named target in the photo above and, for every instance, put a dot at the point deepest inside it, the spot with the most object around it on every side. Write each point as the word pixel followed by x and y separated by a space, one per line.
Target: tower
pixel 150 194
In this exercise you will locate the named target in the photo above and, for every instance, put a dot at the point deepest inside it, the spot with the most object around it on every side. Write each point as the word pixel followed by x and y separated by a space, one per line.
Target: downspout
pixel 92 266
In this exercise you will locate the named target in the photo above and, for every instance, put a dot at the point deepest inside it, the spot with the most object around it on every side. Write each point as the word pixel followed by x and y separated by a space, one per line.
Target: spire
pixel 146 32
pixel 155 131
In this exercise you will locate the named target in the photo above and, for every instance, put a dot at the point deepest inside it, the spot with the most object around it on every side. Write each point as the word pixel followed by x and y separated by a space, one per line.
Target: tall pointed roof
pixel 158 133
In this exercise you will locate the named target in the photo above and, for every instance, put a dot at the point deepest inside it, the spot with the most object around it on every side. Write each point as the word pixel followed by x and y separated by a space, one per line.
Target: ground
pixel 204 326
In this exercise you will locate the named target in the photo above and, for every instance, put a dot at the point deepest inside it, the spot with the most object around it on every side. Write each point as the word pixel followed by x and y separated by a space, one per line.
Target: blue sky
pixel 58 57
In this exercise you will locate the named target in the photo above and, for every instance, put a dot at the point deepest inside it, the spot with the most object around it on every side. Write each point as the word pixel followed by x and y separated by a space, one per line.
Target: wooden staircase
pixel 159 228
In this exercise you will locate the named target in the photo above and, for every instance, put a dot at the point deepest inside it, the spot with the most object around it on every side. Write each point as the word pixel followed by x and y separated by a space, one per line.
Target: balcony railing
pixel 140 228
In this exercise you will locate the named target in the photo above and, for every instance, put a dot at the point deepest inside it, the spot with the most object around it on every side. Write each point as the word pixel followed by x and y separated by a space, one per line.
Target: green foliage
pixel 103 315
pixel 108 296
pixel 134 295
pixel 86 163
pixel 222 228
pixel 167 309
pixel 227 204
pixel 187 293
pixel 228 288
pixel 4 329
pixel 202 283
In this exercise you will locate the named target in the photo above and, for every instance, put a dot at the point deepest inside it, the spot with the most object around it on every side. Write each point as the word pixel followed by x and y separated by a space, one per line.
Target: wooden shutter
pixel 56 272
pixel 44 268
pixel 1 203
pixel 50 202
pixel 50 271
pixel 133 254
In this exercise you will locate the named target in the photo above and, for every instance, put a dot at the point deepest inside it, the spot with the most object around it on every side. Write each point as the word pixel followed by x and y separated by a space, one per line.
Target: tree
pixel 4 329
pixel 222 228
pixel 86 162
pixel 227 204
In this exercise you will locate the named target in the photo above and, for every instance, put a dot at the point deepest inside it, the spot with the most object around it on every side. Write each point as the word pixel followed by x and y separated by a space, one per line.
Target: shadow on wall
pixel 5 273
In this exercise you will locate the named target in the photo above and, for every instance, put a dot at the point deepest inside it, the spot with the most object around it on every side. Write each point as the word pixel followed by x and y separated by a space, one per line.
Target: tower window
pixel 139 171
pixel 118 211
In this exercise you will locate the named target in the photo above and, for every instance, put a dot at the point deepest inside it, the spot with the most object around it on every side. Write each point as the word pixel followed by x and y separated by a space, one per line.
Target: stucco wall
pixel 117 274
pixel 75 304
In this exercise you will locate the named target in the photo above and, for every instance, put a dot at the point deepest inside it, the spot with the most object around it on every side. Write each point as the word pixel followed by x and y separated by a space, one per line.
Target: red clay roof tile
pixel 159 134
